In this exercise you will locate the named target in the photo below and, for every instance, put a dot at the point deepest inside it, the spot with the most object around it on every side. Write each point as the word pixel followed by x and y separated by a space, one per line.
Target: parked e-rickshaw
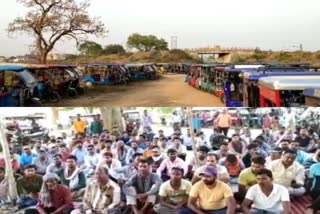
pixel 140 71
pixel 162 68
pixel 283 91
pixel 17 87
pixel 217 85
pixel 105 74
pixel 312 97
pixel 207 77
pixel 250 82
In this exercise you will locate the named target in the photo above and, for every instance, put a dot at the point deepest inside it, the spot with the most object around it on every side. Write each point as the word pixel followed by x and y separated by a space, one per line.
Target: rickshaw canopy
pixel 312 92
pixel 293 83
pixel 11 68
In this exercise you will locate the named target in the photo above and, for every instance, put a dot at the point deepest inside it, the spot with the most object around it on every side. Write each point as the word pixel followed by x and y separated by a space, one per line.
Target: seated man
pixel 91 160
pixel 141 189
pixel 266 197
pixel 202 154
pixel 102 195
pixel 164 170
pixel 248 177
pixel 289 173
pixel 56 165
pixel 111 163
pixel 174 194
pixel 53 198
pixel 41 162
pixel 73 177
pixel 28 187
pixel 210 195
pixel 212 160
pixel 156 159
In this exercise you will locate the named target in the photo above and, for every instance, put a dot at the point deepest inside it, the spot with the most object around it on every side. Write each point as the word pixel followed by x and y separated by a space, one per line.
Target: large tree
pixel 146 42
pixel 90 48
pixel 51 21
pixel 114 49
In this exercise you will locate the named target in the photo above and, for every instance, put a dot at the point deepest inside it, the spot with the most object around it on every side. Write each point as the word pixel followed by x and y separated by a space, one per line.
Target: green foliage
pixel 90 48
pixel 113 49
pixel 146 42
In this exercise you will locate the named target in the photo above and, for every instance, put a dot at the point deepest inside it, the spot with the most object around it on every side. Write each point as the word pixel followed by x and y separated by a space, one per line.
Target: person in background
pixel 269 138
pixel 253 151
pixel 259 196
pixel 91 161
pixel 237 146
pixel 164 170
pixel 275 154
pixel 302 156
pixel 63 150
pixel 315 158
pixel 96 126
pixel 141 189
pixel 28 187
pixel 130 170
pixel 132 150
pixel 72 177
pixel 246 136
pixel 41 162
pixel 122 151
pixel 223 150
pixel 174 194
pixel 202 155
pixel 79 126
pixel 179 147
pixel 27 157
pixel 146 121
pixel 307 144
pixel 210 195
pixel 14 162
pixel 196 123
pixel 79 152
pixel 156 159
pixel 187 140
pixel 57 164
pixel 148 151
pixel 289 173
pixel 267 122
pixel 224 121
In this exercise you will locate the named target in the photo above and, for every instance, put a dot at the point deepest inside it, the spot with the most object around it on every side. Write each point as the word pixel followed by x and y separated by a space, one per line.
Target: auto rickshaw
pixel 250 82
pixel 141 71
pixel 217 85
pixel 162 68
pixel 312 97
pixel 284 91
pixel 17 87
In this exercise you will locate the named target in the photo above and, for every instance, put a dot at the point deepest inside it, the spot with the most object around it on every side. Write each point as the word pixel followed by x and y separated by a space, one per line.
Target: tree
pixel 52 21
pixel 146 43
pixel 90 48
pixel 114 49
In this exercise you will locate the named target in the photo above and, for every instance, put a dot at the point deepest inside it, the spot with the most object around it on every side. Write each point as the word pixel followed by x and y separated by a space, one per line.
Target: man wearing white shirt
pixel 91 160
pixel 179 147
pixel 110 163
pixel 266 196
pixel 187 140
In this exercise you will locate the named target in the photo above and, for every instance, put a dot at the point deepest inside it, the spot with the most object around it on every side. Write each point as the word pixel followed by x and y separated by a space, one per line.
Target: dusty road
pixel 170 90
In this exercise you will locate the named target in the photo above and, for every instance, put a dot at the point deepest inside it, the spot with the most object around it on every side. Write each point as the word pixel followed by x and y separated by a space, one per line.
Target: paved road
pixel 170 90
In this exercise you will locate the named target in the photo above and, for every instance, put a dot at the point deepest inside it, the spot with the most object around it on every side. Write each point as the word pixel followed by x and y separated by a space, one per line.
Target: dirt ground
pixel 169 90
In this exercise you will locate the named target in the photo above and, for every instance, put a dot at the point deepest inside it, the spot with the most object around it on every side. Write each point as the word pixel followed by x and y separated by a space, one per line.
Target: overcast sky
pixel 268 24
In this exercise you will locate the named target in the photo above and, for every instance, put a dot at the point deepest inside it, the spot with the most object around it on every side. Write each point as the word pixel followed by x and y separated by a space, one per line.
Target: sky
pixel 268 24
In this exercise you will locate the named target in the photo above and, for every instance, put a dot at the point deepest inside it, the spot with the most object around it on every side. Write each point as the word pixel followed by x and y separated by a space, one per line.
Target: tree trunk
pixel 111 117
pixel 9 171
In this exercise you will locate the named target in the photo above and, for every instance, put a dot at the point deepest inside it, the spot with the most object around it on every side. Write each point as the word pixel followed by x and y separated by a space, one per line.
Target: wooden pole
pixel 9 171
pixel 194 147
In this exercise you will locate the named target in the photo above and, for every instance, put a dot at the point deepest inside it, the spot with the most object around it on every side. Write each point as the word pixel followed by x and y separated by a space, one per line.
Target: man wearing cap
pixel 54 197
pixel 164 170
pixel 41 162
pixel 174 194
pixel 210 195
pixel 212 159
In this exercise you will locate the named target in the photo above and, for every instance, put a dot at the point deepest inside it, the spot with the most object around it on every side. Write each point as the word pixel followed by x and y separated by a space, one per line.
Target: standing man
pixel 79 126
pixel 96 126
pixel 224 122
pixel 146 121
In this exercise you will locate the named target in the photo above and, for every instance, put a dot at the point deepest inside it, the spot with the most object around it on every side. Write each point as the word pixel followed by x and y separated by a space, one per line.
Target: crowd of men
pixel 110 172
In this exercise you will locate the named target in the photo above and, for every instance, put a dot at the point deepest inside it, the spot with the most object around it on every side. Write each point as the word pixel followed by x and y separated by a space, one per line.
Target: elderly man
pixel 54 197
pixel 289 173
pixel 210 195
pixel 102 195
pixel 141 189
